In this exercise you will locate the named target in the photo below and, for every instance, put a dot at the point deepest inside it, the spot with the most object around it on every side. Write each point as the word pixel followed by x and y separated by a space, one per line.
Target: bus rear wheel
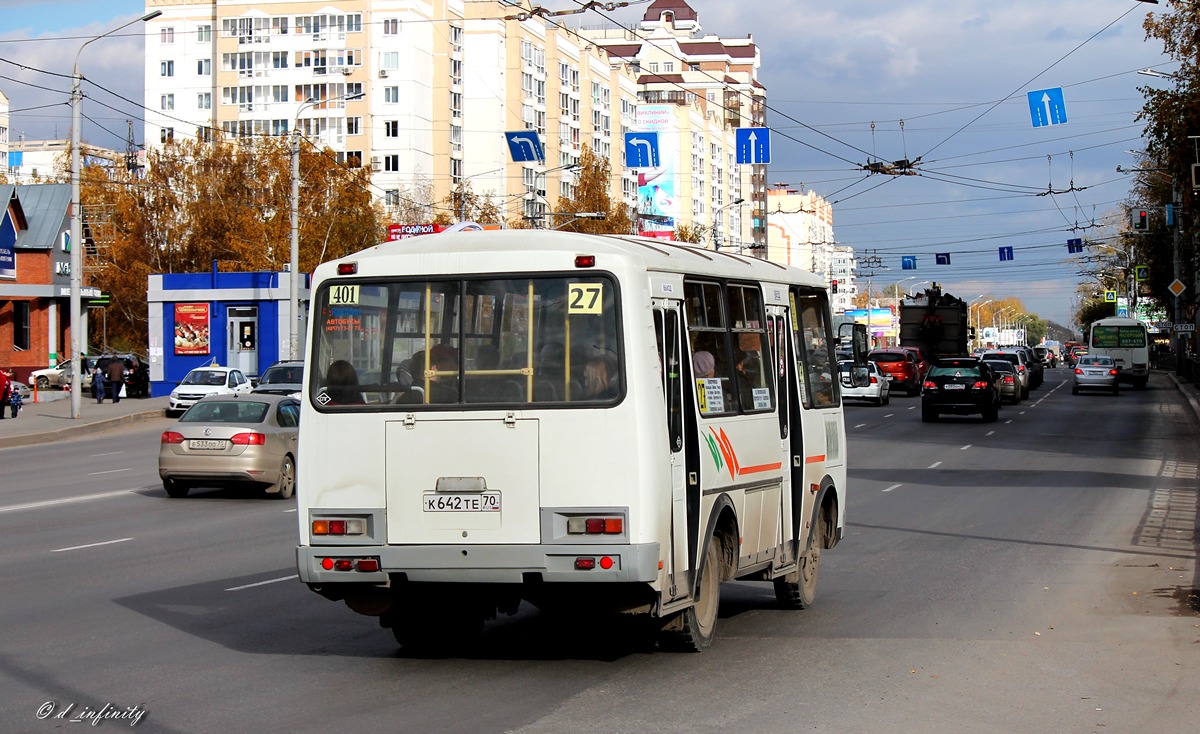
pixel 692 629
pixel 798 589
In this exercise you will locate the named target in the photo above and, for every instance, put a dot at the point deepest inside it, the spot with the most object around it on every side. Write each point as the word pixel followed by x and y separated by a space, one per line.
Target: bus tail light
pixel 366 565
pixel 352 526
pixel 347 268
pixel 587 563
pixel 596 525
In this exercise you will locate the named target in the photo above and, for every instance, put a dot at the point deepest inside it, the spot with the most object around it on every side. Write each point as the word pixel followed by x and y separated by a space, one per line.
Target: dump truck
pixel 936 323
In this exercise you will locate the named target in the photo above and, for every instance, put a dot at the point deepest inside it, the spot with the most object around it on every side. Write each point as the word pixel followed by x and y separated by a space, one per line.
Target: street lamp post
pixel 296 280
pixel 539 217
pixel 77 345
pixel 716 239
pixel 909 292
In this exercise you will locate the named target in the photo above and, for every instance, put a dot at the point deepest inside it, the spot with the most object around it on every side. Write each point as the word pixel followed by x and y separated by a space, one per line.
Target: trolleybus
pixel 574 421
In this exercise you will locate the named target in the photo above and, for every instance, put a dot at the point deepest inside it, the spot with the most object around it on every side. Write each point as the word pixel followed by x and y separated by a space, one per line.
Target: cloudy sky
pixel 848 83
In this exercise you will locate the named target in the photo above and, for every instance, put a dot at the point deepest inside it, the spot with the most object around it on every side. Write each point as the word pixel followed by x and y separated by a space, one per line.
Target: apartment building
pixel 800 234
pixel 421 91
pixel 695 90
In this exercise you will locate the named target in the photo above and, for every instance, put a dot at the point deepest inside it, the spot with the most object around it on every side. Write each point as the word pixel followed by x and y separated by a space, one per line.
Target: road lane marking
pixel 89 545
pixel 291 510
pixel 860 425
pixel 889 415
pixel 935 465
pixel 65 500
pixel 109 453
pixel 110 471
pixel 894 486
pixel 1021 413
pixel 964 448
pixel 1008 421
pixel 989 433
pixel 264 583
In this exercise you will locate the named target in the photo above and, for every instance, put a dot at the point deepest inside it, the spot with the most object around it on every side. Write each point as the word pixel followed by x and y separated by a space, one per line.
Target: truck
pixel 936 323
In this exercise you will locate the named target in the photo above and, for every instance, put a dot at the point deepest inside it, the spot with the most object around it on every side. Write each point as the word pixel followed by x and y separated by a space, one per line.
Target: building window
pixel 354 89
pixel 668 67
pixel 391 197
pixel 279 59
pixel 20 325
pixel 167 68
pixel 354 126
pixel 167 134
pixel 391 128
pixel 391 27
pixel 204 33
pixel 389 60
pixel 653 67
pixel 167 102
pixel 166 35
pixel 391 163
pixel 204 101
pixel 204 67
pixel 391 95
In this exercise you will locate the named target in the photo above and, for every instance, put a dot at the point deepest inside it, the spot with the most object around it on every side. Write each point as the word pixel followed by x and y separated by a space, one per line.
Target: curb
pixel 1189 395
pixel 80 430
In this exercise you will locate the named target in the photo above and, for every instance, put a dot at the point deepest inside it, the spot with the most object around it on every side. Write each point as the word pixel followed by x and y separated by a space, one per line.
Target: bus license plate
pixel 204 445
pixel 444 502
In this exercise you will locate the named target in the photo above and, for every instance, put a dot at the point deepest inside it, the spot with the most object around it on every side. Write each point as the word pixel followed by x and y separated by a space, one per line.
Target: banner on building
pixel 191 328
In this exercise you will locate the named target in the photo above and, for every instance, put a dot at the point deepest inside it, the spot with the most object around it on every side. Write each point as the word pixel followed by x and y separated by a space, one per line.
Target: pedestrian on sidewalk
pixel 116 378
pixel 15 401
pixel 5 387
pixel 98 386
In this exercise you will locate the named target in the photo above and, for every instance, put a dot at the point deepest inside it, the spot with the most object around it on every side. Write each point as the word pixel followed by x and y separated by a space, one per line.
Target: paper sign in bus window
pixel 710 395
pixel 585 298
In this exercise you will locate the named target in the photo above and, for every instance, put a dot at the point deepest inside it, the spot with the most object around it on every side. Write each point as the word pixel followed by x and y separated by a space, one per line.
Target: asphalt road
pixel 1029 575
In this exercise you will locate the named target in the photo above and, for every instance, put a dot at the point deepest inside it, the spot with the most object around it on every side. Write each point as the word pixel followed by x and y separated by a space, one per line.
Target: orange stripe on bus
pixel 814 459
pixel 759 468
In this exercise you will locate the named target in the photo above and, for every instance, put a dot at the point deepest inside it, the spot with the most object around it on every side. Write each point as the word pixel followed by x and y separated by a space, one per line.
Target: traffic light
pixel 1141 220
pixel 834 286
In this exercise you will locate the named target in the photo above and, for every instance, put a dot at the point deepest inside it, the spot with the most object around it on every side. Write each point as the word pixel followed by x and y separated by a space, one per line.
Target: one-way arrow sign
pixel 641 150
pixel 753 144
pixel 525 146
pixel 1047 107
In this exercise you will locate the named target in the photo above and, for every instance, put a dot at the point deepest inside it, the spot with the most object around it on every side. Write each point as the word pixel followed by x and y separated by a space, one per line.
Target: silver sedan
pixel 227 440
pixel 1096 372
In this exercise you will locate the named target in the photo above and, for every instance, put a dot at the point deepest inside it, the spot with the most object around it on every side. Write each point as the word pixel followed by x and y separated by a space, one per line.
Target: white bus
pixel 580 422
pixel 1126 341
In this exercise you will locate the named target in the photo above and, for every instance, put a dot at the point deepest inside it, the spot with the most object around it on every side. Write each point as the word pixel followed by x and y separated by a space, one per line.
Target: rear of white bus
pixel 492 444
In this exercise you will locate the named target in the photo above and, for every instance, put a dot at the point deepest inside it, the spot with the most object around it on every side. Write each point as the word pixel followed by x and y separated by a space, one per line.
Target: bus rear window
pixel 1118 337
pixel 506 341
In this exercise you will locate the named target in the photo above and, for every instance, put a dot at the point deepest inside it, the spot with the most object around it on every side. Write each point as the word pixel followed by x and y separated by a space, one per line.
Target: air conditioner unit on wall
pixel 347 71
pixel 383 73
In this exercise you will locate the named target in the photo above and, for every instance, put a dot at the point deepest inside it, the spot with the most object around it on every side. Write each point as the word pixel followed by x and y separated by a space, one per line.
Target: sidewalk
pixel 1189 389
pixel 49 419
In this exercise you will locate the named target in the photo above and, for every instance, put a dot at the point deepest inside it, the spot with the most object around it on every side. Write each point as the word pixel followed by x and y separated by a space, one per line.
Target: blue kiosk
pixel 230 319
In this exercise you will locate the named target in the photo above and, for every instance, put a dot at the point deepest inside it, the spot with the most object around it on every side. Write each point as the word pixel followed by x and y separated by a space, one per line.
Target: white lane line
pixel 109 453
pixel 894 486
pixel 964 448
pixel 1008 421
pixel 264 583
pixel 889 415
pixel 911 407
pixel 65 500
pixel 935 465
pixel 1021 413
pixel 860 425
pixel 110 471
pixel 89 545
pixel 291 510
pixel 989 433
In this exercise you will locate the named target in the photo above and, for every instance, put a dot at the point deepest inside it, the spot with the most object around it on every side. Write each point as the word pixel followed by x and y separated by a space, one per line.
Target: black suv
pixel 960 385
pixel 137 373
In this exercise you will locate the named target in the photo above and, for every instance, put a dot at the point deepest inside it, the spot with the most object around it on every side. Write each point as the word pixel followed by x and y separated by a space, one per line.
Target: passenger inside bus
pixel 703 364
pixel 341 382
pixel 443 387
pixel 600 378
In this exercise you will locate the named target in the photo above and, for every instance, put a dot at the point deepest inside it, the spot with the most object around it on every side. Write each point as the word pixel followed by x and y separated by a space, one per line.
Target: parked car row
pixel 136 371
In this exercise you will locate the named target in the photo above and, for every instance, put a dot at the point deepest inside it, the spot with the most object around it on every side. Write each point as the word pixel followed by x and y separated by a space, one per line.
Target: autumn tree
pixel 464 205
pixel 693 233
pixel 225 201
pixel 592 194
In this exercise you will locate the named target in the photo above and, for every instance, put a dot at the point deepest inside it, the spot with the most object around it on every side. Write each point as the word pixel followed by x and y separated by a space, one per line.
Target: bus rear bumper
pixel 480 564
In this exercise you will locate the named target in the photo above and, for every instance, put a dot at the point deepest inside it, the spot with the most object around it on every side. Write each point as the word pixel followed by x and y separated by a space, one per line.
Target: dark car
pixel 900 367
pixel 281 378
pixel 962 386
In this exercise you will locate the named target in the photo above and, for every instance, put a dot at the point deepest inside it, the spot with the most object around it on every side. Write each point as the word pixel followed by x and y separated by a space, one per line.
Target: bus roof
pixel 538 250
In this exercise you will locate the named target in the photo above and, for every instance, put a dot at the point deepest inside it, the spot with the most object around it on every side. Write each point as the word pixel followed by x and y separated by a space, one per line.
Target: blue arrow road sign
pixel 1047 107
pixel 753 144
pixel 641 150
pixel 908 262
pixel 525 146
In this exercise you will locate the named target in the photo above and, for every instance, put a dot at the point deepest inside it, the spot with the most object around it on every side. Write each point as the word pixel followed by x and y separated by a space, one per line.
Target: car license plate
pixel 955 386
pixel 473 502
pixel 206 445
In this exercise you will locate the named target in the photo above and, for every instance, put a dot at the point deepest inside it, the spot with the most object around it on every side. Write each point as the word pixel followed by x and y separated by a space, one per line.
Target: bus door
pixel 676 375
pixel 791 432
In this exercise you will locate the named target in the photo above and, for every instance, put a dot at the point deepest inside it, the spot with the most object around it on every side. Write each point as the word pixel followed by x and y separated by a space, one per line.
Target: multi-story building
pixel 420 91
pixel 801 234
pixel 695 90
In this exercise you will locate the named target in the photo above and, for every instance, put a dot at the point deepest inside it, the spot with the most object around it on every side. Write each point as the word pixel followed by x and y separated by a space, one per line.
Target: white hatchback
pixel 877 391
pixel 210 380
